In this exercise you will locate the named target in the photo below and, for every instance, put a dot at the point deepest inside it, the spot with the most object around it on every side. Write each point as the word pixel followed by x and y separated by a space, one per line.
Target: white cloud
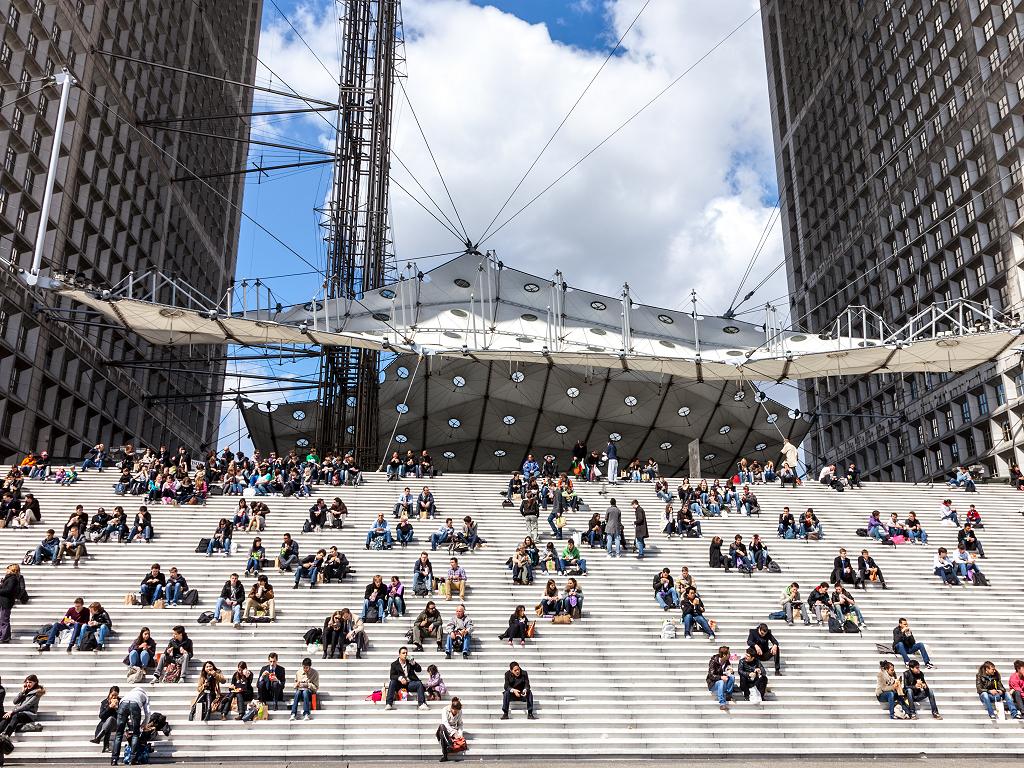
pixel 674 201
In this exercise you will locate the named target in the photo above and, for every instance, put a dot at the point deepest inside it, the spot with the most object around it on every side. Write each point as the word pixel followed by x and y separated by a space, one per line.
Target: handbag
pixel 459 744
pixel 560 522
pixel 531 629
pixel 561 618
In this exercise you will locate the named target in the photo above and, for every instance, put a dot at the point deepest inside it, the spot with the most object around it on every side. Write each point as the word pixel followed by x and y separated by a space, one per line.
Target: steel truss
pixel 356 217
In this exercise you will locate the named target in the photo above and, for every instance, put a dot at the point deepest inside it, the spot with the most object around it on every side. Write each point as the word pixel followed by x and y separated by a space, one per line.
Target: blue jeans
pixel 448 645
pixel 856 612
pixel 404 537
pixel 150 594
pixel 697 509
pixel 302 571
pixel 954 517
pixel 90 463
pixel 419 581
pixel 398 603
pixel 253 564
pixel 435 539
pixel 673 595
pixel 640 546
pixel 55 632
pixel 557 532
pixel 236 611
pixel 306 697
pixel 139 659
pixel 905 652
pixel 890 698
pixel 380 609
pixel 387 538
pixel 690 619
pixel 563 564
pixel 101 633
pixel 804 530
pixel 49 552
pixel 593 537
pixel 989 700
pixel 948 577
pixel 614 539
pixel 227 546
pixel 918 536
pixel 723 688
pixel 173 593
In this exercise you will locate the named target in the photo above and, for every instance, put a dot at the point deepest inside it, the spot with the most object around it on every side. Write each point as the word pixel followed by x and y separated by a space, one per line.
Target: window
pixel 972 445
pixel 948 413
pixel 55 34
pixel 10 160
pixel 21 221
pixel 32 44
pixel 1007 432
pixel 954 452
pixel 13 17
pixel 965 414
pixel 1000 396
pixel 3 200
pixel 980 273
pixel 18 120
pixel 939 464
pixel 1018 384
pixel 37 142
pixel 38 8
pixel 30 181
pixel 982 406
pixel 6 53
pixel 934 423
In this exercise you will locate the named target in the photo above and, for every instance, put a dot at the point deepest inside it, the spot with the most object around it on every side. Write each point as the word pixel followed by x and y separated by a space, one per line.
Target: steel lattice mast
pixel 356 218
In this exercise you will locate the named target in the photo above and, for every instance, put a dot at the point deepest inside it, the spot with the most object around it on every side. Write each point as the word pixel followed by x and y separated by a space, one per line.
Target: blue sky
pixel 683 193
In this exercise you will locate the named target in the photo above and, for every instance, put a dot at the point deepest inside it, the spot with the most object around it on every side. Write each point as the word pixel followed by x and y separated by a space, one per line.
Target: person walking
pixel 640 532
pixel 613 528
pixel 12 589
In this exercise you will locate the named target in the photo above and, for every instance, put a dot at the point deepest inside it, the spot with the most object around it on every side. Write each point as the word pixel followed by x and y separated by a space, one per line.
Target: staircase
pixel 607 686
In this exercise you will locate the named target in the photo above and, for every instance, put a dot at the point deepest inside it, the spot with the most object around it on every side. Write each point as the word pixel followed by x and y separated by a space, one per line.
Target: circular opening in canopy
pixel 615 437
pixel 724 430
pixel 510 420
pixel 528 317
pixel 760 446
pixel 708 456
pixel 382 317
pixel 531 287
pixel 401 438
pixel 572 392
pixel 458 381
pixel 730 329
pixel 499 453
pixel 448 454
pixel 518 377
pixel 600 306
pixel 630 401
pixel 387 293
pixel 298 415
pixel 684 411
pixel 402 408
pixel 561 429
pixel 403 372
pixel 665 446
pixel 454 423
pixel 461 282
pixel 460 313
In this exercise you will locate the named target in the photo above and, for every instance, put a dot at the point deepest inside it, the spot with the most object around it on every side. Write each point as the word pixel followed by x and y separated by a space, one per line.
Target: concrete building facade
pixel 124 202
pixel 898 135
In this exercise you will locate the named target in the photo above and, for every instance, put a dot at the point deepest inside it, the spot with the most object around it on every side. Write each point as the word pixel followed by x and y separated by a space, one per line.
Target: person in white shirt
pixel 945 568
pixel 789 452
pixel 948 513
pixel 405 503
pixel 134 707
pixel 450 727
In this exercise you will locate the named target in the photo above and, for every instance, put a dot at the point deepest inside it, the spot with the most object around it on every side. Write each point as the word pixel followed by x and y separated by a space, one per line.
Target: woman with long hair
pixel 207 692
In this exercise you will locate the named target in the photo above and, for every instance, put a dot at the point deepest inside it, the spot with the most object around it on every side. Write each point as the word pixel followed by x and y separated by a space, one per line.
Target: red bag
pixel 735 479
pixel 459 744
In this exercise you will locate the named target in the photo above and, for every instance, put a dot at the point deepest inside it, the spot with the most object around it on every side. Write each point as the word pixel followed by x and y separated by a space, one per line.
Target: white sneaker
pixel 307 717
pixel 389 706
pixel 423 706
pixel 291 717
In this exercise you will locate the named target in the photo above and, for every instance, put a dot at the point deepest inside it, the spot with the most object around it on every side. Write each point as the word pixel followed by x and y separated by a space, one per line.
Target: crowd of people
pixel 541 490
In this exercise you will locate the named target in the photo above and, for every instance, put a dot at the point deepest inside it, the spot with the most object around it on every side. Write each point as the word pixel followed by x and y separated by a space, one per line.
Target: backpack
pixel 668 630
pixel 135 675
pixel 172 673
pixel 142 758
pixel 307 527
pixel 372 616
pixel 776 616
pixel 28 558
pixel 312 636
pixel 691 533
pixel 43 635
pixel 862 532
pixel 205 617
pixel 377 542
pixel 744 568
pixel 979 579
pixel 835 625
pixel 789 533
pixel 203 545
pixel 190 598
pixel 774 567
pixel 851 627
pixel 89 642
pixel 421 591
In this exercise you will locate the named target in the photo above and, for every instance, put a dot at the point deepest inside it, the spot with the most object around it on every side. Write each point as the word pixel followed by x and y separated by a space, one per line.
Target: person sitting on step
pixel 459 632
pixel 963 479
pixel 791 602
pixel 693 613
pixel 239 692
pixel 375 595
pixel 260 599
pixel 820 603
pixel 571 558
pixel 764 646
pixel 178 651
pixel 450 728
pixel 25 709
pixel 47 549
pixel 72 544
pixel 307 683
pixel 991 691
pixel 288 554
pixel 434 686
pixel 969 539
pixel 456 580
pixel 1017 684
pixel 317 519
pixel 141 527
pixel 973 516
pixel 221 538
pixel 108 718
pixel 422 575
pixel 868 570
pixel 945 568
pixel 787 524
pixel 915 532
pixel 665 590
pixel 550 599
pixel 270 682
pixel 916 689
pixel 142 651
pixel 443 534
pixel 518 627
pixel 752 675
pixel 947 512
pixel 425 503
pixel 895 528
pixel 428 624
pixel 74 619
pixel 843 571
pixel 175 588
pixel 152 586
pixel 99 624
pixel 403 530
pixel 738 555
pixel 403 675
pixel 720 678
pixel 517 688
pixel 966 563
pixel 337 513
pixel 889 690
pixel 396 598
pixel 310 566
pixel 810 528
pixel 257 553
pixel 904 643
pixel 379 535
pixel 844 605
pixel 336 566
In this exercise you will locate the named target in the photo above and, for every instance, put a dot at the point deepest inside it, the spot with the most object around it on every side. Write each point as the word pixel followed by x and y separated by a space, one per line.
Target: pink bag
pixel 899 539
